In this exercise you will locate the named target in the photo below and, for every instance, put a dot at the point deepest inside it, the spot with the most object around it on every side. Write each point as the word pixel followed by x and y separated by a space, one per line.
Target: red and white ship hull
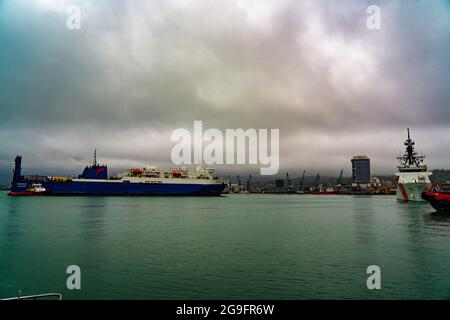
pixel 412 191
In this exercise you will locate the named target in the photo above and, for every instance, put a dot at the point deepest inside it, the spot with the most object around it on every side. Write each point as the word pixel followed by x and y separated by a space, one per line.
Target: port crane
pixel 340 180
pixel 249 180
pixel 289 186
pixel 302 181
pixel 317 183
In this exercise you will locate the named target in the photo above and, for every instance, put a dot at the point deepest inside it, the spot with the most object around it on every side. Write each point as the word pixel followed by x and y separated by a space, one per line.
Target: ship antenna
pixel 409 137
pixel 95 157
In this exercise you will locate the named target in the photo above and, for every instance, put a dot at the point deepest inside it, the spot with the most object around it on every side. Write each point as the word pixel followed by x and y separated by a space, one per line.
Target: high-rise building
pixel 361 170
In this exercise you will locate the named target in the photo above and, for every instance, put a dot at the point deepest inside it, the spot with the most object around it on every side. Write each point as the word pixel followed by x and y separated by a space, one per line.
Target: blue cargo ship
pixel 94 181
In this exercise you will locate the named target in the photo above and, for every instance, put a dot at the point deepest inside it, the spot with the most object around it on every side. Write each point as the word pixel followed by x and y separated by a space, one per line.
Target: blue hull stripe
pixel 136 189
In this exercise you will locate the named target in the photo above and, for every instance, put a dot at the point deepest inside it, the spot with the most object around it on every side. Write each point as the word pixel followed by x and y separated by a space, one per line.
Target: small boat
pixel 440 201
pixel 324 192
pixel 35 189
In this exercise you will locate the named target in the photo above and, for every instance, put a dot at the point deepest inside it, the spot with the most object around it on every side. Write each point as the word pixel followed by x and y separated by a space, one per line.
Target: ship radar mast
pixel 95 158
pixel 411 158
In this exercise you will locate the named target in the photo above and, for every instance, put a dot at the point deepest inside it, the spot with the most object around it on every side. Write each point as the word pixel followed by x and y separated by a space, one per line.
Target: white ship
pixel 413 175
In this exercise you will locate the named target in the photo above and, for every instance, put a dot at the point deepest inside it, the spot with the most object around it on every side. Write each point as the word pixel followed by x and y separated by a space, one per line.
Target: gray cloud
pixel 139 69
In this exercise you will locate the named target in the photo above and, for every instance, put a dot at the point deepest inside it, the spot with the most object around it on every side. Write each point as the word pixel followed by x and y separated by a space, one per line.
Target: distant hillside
pixel 441 176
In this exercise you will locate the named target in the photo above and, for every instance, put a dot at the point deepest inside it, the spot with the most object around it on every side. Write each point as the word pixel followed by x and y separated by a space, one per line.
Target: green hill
pixel 441 176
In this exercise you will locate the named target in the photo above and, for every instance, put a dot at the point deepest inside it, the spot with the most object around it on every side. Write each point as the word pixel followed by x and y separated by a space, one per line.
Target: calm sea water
pixel 230 247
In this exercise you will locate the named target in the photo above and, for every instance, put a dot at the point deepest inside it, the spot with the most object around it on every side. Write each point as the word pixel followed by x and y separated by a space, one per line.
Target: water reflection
pixel 92 217
pixel 411 215
pixel 437 219
pixel 421 216
pixel 437 223
pixel 363 216
pixel 13 229
pixel 421 245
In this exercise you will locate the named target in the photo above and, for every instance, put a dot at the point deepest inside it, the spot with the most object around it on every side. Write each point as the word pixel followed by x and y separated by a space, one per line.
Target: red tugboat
pixel 438 200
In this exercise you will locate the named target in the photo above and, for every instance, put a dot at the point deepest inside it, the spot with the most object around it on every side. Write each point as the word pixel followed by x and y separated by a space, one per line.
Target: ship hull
pixel 411 191
pixel 113 188
pixel 27 193
pixel 325 193
pixel 440 201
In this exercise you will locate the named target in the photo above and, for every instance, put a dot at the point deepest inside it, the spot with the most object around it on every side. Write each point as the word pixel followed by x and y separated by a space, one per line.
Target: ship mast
pixel 410 157
pixel 410 149
pixel 95 158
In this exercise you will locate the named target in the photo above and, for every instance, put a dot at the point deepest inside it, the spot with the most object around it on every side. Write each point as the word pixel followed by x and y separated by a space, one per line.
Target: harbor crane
pixel 302 181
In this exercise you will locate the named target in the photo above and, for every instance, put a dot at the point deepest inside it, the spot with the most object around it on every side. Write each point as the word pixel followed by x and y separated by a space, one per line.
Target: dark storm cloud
pixel 137 70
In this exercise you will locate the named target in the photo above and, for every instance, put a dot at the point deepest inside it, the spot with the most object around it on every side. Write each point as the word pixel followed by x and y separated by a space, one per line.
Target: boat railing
pixel 58 296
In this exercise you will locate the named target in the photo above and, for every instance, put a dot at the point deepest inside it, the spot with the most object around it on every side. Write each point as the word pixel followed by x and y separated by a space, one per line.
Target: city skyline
pixel 136 71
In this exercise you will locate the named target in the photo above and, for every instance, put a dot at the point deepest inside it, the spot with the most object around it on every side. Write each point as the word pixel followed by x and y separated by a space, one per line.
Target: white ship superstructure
pixel 178 175
pixel 413 175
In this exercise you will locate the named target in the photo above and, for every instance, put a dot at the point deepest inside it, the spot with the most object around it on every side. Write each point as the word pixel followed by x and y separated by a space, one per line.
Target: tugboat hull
pixel 440 201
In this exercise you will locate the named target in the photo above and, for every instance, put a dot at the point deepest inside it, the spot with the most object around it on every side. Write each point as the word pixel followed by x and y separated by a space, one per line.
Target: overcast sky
pixel 137 70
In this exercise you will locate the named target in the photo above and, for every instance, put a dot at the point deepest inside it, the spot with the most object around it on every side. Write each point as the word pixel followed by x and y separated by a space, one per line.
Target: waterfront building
pixel 361 170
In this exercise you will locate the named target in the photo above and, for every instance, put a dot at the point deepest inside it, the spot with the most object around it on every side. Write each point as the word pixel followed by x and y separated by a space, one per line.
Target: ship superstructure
pixel 146 181
pixel 413 175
